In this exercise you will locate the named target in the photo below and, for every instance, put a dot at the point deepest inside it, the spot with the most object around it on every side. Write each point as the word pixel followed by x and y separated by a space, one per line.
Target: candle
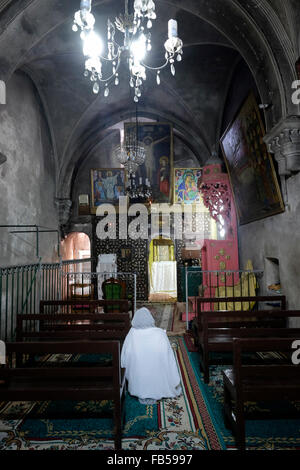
pixel 86 5
pixel 172 29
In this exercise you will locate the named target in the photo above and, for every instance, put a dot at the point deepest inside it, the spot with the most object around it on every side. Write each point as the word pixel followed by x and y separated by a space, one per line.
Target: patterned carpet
pixel 183 423
pixel 163 313
pixel 263 434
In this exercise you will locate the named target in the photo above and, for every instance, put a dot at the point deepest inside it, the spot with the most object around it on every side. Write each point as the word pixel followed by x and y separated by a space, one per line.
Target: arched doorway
pixel 77 246
pixel 76 256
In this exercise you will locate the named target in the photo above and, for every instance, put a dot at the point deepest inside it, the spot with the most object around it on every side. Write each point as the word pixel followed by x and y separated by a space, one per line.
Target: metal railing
pixel 222 284
pixel 22 287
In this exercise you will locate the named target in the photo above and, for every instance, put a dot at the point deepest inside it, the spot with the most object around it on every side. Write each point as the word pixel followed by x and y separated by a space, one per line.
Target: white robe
pixel 151 369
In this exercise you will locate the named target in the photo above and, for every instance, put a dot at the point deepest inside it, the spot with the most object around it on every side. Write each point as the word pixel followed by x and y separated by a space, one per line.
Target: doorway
pixel 162 269
pixel 76 256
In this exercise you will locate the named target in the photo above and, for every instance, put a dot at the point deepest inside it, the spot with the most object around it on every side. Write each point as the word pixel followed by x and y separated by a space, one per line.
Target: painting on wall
pixel 250 166
pixel 108 184
pixel 157 138
pixel 187 183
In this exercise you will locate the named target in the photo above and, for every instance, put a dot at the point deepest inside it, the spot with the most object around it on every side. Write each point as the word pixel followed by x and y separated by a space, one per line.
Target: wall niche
pixel 272 276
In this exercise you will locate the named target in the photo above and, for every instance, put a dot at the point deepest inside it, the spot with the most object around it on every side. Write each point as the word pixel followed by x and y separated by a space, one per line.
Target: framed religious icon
pixel 125 252
pixel 250 166
pixel 107 185
pixel 187 183
pixel 157 138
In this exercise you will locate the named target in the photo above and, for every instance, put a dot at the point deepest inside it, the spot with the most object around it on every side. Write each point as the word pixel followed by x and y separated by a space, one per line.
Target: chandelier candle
pixel 102 67
pixel 172 29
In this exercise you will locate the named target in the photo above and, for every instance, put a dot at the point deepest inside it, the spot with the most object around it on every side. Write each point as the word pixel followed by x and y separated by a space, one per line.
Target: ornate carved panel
pixel 136 263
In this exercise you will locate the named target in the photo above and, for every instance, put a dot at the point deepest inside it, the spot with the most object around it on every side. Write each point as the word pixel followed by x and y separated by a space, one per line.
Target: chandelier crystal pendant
pixel 131 153
pixel 136 43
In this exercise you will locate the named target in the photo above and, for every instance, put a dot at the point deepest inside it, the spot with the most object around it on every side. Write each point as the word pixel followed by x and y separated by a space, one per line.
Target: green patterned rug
pixel 69 420
pixel 183 423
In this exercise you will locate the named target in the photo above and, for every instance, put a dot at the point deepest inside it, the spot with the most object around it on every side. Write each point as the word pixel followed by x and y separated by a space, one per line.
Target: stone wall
pixel 27 181
pixel 277 238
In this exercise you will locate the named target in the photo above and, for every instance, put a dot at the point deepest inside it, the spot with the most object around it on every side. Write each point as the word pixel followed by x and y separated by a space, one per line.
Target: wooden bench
pixel 34 383
pixel 67 306
pixel 268 300
pixel 61 326
pixel 216 333
pixel 270 382
pixel 279 300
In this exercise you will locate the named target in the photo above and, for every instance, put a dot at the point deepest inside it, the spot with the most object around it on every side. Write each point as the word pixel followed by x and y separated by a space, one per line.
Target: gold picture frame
pixel 186 186
pixel 250 166
pixel 157 138
pixel 107 185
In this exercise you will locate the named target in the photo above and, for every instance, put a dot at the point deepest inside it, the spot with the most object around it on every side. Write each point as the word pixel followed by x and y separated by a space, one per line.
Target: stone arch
pixel 84 144
pixel 245 29
pixel 253 28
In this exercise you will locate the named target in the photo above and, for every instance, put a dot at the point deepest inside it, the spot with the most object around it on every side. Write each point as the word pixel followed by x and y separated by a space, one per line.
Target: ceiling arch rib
pixel 223 15
pixel 249 31
pixel 89 140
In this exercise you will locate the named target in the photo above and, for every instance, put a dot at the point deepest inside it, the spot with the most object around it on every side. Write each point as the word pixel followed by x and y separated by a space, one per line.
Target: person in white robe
pixel 151 369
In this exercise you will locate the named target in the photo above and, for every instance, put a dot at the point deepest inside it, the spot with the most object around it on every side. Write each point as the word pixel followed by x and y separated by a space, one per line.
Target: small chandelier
pixel 136 43
pixel 130 153
pixel 139 193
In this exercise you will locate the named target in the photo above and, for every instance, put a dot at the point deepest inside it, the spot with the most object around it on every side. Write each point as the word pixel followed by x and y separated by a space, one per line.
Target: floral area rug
pixel 183 423
pixel 261 434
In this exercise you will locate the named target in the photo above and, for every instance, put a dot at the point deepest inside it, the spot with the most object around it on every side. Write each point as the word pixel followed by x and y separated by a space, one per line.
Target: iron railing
pixel 221 284
pixel 22 288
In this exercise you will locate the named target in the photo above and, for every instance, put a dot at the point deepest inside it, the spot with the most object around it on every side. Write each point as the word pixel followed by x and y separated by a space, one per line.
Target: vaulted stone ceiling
pixel 217 34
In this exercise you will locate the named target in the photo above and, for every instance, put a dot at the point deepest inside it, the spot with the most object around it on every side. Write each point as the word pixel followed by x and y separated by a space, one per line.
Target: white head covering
pixel 143 319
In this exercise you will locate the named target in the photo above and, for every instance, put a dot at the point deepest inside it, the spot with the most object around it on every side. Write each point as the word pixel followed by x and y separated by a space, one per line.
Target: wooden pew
pixel 216 333
pixel 258 301
pixel 66 383
pixel 68 326
pixel 265 299
pixel 244 383
pixel 66 306
pixel 202 302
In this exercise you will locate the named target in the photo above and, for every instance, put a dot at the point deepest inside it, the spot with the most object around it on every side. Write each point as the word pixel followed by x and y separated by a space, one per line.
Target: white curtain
pixel 164 278
pixel 106 264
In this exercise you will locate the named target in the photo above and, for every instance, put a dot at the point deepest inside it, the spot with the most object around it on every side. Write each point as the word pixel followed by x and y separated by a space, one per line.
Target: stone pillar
pixel 284 142
pixel 63 207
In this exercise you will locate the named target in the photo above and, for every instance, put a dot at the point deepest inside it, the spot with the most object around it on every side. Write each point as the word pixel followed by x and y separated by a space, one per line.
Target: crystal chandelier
pixel 136 44
pixel 139 193
pixel 130 153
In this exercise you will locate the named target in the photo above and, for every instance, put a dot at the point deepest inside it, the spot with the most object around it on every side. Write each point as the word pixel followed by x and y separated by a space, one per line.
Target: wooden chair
pixel 113 289
pixel 81 291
